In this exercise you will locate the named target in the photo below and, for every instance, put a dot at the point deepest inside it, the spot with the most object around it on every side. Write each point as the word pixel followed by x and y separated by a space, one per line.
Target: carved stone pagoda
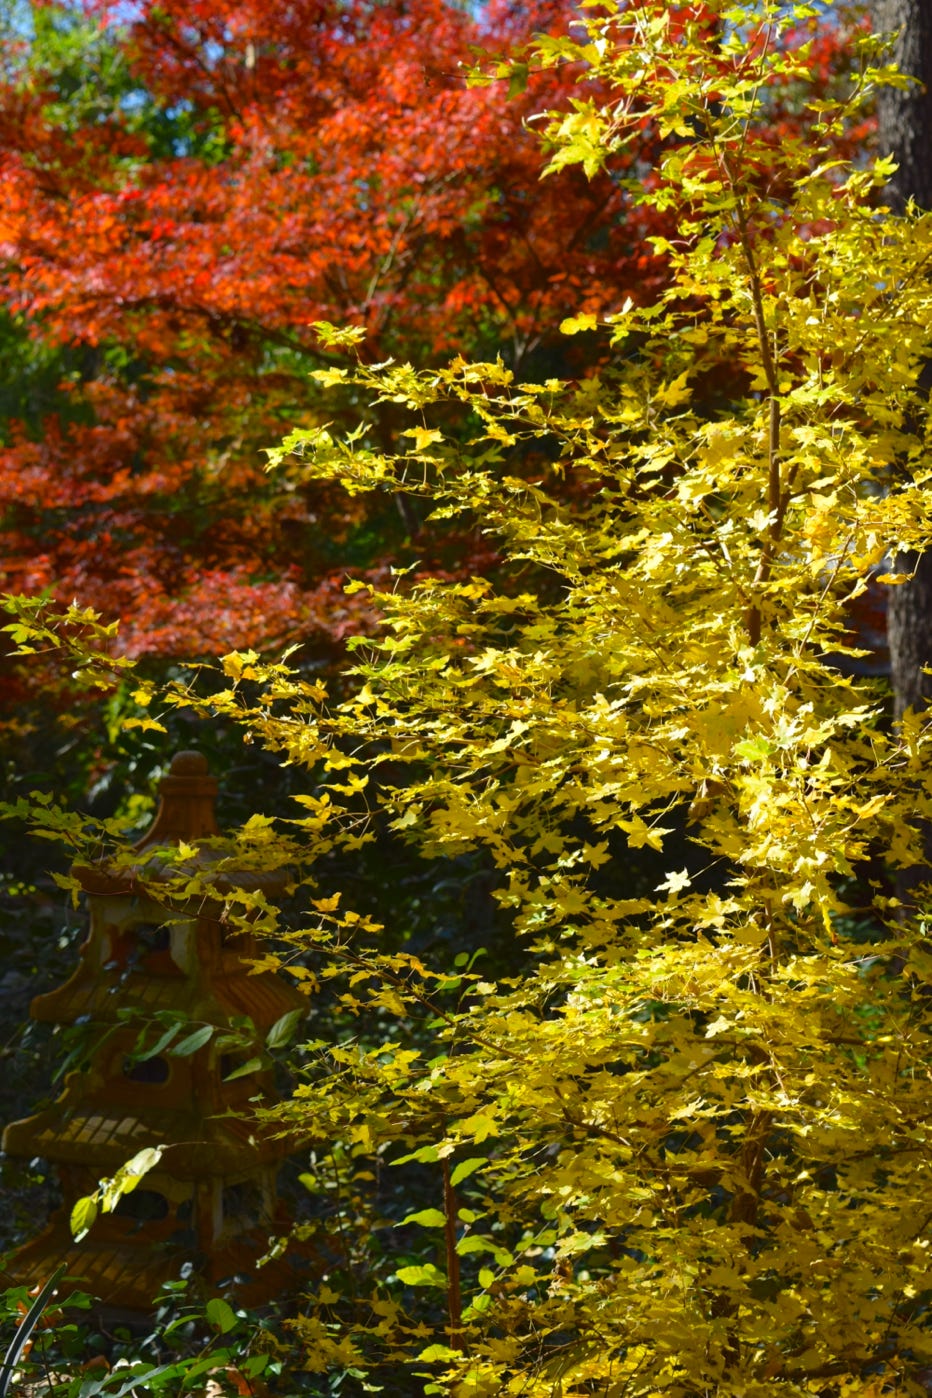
pixel 211 1200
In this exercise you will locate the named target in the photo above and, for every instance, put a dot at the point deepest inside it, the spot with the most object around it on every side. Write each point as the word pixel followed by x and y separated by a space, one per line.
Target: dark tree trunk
pixel 905 117
pixel 909 633
pixel 905 132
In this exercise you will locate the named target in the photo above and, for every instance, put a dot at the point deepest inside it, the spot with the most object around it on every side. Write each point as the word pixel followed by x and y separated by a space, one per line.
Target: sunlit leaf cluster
pixel 686 1150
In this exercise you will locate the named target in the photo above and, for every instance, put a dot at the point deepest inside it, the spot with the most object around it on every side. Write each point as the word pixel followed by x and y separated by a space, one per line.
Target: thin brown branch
pixel 454 1293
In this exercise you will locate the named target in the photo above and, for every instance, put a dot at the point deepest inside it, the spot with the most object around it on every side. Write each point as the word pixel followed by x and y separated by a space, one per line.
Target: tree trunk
pixel 905 117
pixel 905 132
pixel 909 633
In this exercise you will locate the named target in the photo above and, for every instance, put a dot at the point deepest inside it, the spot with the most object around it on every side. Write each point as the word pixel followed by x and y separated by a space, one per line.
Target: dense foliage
pixel 680 1144
pixel 183 192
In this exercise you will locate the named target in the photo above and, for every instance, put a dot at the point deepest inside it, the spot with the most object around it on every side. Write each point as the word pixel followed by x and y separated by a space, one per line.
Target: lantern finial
pixel 186 811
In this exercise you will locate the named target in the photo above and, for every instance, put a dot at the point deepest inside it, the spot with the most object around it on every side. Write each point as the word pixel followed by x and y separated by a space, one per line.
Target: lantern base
pixel 124 1274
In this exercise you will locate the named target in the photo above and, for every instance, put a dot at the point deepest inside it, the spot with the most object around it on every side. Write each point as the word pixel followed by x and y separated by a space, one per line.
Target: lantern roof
pixel 186 816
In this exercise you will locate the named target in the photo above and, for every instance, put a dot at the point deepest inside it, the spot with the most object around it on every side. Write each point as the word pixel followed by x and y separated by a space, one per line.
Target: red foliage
pixel 332 165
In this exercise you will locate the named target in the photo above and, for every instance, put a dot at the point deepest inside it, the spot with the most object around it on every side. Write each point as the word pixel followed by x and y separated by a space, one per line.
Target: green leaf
pixel 467 1167
pixel 255 1365
pixel 193 1042
pixel 253 1065
pixel 427 1218
pixel 282 1031
pixel 517 80
pixel 475 1242
pixel 435 1352
pixel 128 1176
pixel 425 1275
pixel 754 749
pixel 161 1043
pixel 82 1217
pixel 26 1324
pixel 426 1155
pixel 221 1315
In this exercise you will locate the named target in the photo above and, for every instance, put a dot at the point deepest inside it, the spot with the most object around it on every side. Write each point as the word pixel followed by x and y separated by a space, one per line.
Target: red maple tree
pixel 331 164
pixel 234 173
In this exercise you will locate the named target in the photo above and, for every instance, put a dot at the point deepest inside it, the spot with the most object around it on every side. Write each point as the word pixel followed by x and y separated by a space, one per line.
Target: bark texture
pixel 909 634
pixel 905 132
pixel 905 118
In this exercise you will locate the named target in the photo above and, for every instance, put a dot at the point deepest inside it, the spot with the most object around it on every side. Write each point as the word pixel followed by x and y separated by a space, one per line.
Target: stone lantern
pixel 211 1200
